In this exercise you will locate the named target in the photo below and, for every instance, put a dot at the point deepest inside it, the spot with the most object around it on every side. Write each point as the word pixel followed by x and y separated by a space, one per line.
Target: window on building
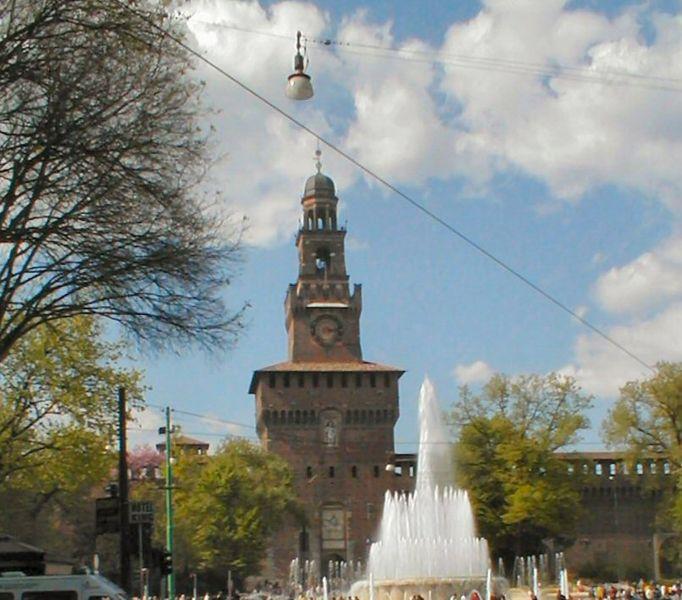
pixel 598 468
pixel 316 380
pixel 305 417
pixel 297 417
pixel 312 417
pixel 287 380
pixel 612 469
pixel 309 472
pixel 301 380
pixel 571 468
pixel 370 510
pixel 372 380
pixel 666 468
pixel 652 468
pixel 356 416
pixel 330 380
pixel 358 380
pixel 271 380
pixel 332 472
pixel 354 472
pixel 266 416
pixel 412 471
pixel 377 471
pixel 640 469
pixel 387 380
pixel 344 379
pixel 290 417
pixel 349 417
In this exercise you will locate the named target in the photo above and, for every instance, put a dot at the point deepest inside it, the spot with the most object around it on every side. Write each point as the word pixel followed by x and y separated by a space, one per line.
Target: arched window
pixel 370 417
pixel 363 416
pixel 309 472
pixel 312 417
pixel 274 417
pixel 305 417
pixel 290 417
pixel 297 417
pixel 354 472
pixel 282 417
pixel 266 417
pixel 356 416
pixel 348 417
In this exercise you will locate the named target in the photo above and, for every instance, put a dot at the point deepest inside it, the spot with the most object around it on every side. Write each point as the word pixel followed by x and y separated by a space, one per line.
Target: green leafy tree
pixel 227 506
pixel 58 417
pixel 505 456
pixel 647 417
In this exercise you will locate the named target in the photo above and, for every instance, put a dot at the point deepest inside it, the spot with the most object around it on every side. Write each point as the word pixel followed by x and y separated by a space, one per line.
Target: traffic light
pixel 166 563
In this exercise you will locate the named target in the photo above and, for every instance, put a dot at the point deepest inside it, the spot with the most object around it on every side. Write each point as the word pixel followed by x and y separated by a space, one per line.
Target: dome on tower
pixel 319 186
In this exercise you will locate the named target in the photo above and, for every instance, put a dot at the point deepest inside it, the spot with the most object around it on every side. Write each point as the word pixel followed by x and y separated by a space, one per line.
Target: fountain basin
pixel 433 588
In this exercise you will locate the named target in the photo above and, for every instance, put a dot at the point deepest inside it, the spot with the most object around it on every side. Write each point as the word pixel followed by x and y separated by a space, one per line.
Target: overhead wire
pixel 486 63
pixel 414 203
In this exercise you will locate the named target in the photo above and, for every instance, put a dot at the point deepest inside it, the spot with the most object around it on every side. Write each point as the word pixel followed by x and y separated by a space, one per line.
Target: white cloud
pixel 602 369
pixel 571 134
pixel 650 281
pixel 475 372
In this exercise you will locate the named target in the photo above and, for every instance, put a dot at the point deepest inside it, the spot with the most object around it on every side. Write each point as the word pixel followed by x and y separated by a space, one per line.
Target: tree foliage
pixel 58 418
pixel 100 157
pixel 228 504
pixel 647 417
pixel 58 406
pixel 505 456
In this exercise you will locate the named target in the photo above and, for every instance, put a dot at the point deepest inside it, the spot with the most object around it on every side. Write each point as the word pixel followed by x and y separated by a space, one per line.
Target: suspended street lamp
pixel 298 83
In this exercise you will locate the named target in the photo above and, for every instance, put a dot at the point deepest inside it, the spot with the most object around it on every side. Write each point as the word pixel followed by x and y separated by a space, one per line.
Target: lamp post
pixel 168 430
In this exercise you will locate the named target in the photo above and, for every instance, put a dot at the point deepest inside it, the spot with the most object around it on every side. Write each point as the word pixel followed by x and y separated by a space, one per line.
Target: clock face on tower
pixel 327 330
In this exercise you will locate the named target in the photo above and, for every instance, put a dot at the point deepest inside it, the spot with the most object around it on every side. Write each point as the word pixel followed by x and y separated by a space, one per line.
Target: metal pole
pixel 140 554
pixel 124 516
pixel 169 503
pixel 194 586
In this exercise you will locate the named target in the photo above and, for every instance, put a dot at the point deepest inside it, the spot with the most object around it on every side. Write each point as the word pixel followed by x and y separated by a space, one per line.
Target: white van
pixel 15 586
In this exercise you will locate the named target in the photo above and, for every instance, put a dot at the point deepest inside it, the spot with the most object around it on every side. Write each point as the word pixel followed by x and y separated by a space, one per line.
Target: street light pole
pixel 169 502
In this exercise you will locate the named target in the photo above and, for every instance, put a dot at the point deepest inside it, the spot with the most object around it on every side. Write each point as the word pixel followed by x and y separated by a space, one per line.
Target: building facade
pixel 326 410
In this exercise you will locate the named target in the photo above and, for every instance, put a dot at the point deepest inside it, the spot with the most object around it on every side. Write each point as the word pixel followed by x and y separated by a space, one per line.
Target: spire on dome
pixel 319 185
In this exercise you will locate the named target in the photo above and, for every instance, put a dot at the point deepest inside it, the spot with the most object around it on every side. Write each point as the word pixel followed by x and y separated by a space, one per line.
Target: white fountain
pixel 427 540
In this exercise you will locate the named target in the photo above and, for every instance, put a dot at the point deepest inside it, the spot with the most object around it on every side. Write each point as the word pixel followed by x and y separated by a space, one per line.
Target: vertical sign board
pixel 141 512
pixel 107 518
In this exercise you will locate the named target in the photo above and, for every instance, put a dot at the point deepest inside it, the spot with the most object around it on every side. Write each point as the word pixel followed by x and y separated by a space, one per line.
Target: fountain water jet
pixel 427 540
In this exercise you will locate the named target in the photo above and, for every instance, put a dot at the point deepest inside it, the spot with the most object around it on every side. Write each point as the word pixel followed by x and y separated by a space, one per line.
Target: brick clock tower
pixel 327 411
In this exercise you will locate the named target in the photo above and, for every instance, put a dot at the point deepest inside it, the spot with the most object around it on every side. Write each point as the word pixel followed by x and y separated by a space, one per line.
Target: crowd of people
pixel 641 590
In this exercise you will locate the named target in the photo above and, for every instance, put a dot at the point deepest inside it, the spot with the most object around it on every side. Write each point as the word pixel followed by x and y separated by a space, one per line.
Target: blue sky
pixel 575 184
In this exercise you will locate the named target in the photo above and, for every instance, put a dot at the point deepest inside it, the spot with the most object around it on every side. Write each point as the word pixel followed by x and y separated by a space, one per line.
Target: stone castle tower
pixel 327 411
